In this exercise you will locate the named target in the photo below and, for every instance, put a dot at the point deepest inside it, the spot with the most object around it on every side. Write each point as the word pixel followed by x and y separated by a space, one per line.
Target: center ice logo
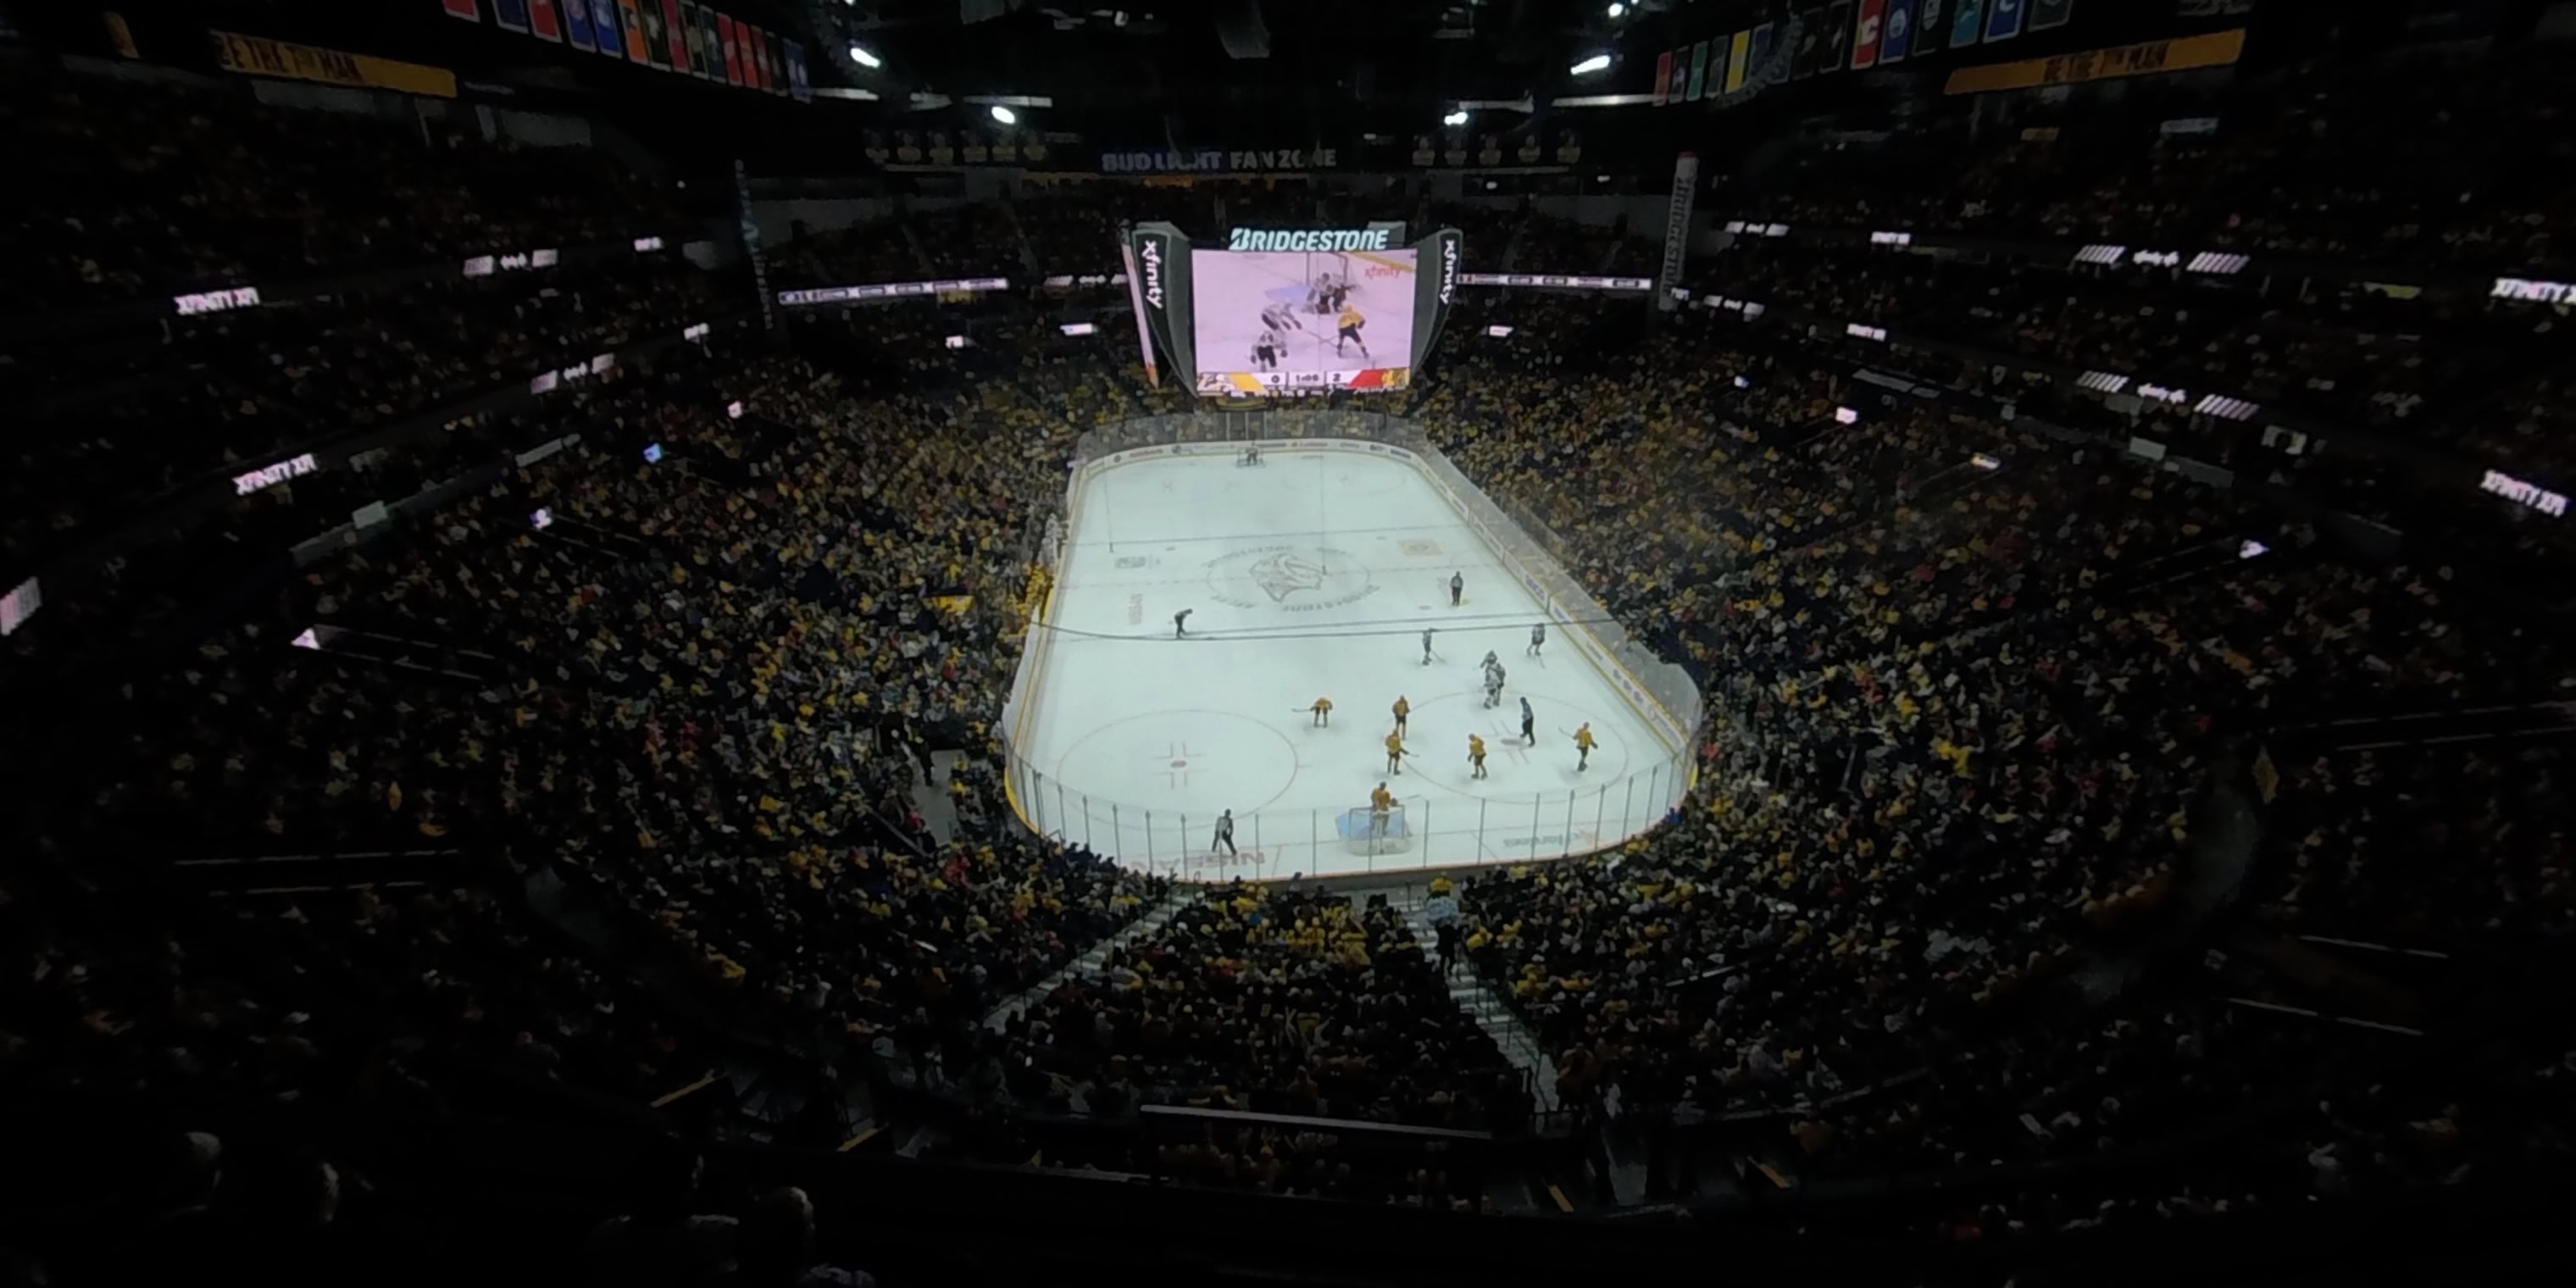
pixel 1284 574
pixel 1296 579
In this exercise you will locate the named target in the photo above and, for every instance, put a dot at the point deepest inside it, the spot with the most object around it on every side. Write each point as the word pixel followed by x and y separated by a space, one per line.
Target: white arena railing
pixel 1280 843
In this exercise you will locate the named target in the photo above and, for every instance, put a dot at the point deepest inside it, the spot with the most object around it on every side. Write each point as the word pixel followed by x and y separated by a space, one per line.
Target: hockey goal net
pixel 1367 831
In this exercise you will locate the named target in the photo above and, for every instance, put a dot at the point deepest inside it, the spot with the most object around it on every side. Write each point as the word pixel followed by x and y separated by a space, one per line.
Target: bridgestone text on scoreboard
pixel 1312 239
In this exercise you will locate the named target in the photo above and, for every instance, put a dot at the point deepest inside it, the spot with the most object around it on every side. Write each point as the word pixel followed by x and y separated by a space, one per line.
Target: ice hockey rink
pixel 1311 575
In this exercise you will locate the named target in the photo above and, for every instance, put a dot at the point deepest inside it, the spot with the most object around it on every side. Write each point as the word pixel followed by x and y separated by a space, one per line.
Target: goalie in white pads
pixel 1493 684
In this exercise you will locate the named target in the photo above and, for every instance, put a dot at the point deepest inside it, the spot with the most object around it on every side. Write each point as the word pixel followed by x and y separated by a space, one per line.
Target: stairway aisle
pixel 1155 918
pixel 1481 1004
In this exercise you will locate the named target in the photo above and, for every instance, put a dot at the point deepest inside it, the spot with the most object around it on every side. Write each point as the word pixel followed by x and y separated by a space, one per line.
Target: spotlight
pixel 1458 117
pixel 1005 115
pixel 1595 63
pixel 859 54
pixel 1617 10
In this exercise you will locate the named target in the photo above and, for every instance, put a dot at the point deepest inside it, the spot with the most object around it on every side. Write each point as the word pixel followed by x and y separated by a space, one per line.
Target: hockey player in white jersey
pixel 1267 350
pixel 1280 318
pixel 1493 684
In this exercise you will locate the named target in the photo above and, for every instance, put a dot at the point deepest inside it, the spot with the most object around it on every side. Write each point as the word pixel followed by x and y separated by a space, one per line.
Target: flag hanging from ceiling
pixel 1663 77
pixel 1931 27
pixel 577 29
pixel 800 83
pixel 1698 73
pixel 1865 33
pixel 469 10
pixel 1968 23
pixel 675 36
pixel 1833 48
pixel 693 39
pixel 2003 19
pixel 1811 28
pixel 1739 50
pixel 1761 44
pixel 510 15
pixel 732 48
pixel 630 19
pixel 1896 34
pixel 542 21
pixel 2045 14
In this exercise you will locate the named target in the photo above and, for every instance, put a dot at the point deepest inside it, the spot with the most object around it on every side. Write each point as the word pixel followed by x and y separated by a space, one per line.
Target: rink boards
pixel 1576 816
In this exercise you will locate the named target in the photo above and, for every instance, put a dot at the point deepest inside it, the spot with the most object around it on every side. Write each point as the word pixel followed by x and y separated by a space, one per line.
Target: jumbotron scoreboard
pixel 1279 312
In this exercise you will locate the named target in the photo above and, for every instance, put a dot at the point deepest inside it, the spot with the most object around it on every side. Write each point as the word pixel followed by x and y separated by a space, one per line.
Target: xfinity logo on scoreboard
pixel 1312 239
pixel 1149 253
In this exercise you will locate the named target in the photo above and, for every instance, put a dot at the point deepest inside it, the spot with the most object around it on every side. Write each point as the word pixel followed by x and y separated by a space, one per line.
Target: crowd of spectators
pixel 134 188
pixel 1934 634
pixel 1993 696
pixel 2415 157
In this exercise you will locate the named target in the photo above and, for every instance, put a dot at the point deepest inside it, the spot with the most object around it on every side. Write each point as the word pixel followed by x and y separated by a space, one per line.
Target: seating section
pixel 2109 815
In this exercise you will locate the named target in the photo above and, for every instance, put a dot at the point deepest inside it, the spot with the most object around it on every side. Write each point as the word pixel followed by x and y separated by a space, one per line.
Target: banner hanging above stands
pixel 259 56
pixel 682 37
pixel 2218 49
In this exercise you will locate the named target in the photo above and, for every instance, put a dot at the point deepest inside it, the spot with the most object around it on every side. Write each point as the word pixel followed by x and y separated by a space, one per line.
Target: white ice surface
pixel 1311 576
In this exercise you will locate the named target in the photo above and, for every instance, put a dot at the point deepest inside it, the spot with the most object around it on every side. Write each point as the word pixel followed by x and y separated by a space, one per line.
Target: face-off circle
pixel 1197 760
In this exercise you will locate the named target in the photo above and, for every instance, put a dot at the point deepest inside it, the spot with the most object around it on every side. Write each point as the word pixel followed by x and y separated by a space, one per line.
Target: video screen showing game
pixel 1270 321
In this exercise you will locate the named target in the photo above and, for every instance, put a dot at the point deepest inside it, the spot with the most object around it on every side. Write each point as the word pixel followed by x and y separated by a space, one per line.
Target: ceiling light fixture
pixel 1595 63
pixel 1005 115
pixel 859 54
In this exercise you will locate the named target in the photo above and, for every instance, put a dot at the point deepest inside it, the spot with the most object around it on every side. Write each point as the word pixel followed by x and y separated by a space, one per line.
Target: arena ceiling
pixel 1180 72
